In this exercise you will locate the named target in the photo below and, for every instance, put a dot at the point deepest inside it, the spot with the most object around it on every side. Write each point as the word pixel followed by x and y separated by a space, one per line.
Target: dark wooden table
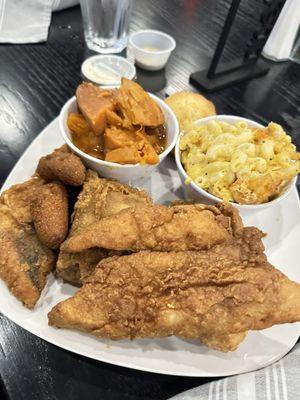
pixel 35 81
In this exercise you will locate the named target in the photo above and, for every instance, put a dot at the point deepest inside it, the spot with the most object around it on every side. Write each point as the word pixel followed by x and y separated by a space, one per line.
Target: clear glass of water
pixel 106 24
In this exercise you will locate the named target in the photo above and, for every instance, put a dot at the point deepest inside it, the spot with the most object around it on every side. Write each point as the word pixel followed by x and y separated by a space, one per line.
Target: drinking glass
pixel 106 24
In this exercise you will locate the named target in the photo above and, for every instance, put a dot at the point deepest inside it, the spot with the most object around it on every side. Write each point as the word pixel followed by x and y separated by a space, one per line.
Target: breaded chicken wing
pixel 99 198
pixel 160 228
pixel 62 165
pixel 215 295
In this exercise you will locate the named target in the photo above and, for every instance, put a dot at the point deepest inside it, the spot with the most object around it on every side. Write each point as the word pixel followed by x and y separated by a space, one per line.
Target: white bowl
pixel 194 192
pixel 141 43
pixel 124 173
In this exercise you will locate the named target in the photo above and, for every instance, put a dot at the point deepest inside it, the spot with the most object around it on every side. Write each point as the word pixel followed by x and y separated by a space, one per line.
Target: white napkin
pixel 282 38
pixel 280 381
pixel 27 21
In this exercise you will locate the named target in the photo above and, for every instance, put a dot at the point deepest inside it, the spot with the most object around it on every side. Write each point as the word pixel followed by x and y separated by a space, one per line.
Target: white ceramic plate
pixel 170 355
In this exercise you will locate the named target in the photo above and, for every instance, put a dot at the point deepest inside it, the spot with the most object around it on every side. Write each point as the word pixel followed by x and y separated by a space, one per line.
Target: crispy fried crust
pixel 50 214
pixel 62 165
pixel 215 295
pixel 159 228
pixel 19 197
pixel 99 198
pixel 24 261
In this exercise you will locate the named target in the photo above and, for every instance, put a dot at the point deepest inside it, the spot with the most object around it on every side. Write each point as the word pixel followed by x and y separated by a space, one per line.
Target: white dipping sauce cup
pixel 151 49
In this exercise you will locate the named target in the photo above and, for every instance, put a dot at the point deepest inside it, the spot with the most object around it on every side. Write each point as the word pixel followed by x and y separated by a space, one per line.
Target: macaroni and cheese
pixel 238 163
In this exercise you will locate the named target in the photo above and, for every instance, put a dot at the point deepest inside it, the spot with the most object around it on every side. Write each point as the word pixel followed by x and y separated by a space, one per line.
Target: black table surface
pixel 36 80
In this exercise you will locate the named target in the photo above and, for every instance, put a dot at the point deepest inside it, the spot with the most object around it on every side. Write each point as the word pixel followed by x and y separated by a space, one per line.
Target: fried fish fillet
pixel 160 228
pixel 62 165
pixel 99 198
pixel 18 198
pixel 25 262
pixel 215 295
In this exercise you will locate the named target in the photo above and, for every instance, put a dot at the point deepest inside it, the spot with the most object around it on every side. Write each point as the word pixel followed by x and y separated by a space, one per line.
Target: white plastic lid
pixel 107 69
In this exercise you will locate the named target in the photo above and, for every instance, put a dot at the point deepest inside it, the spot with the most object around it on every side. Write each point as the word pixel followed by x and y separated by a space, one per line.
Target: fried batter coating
pixel 159 228
pixel 24 261
pixel 50 214
pixel 62 165
pixel 99 198
pixel 19 197
pixel 215 295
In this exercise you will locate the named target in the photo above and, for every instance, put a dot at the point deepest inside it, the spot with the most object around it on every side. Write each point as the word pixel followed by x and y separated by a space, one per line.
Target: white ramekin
pixel 151 60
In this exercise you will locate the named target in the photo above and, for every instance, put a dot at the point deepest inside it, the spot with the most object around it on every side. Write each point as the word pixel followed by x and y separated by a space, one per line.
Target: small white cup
pixel 151 49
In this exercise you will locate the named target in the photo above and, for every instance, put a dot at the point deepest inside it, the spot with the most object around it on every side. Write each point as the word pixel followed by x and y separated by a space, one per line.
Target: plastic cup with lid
pixel 107 70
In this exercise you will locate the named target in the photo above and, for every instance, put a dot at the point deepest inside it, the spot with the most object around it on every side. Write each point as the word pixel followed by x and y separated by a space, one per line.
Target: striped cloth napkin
pixel 280 381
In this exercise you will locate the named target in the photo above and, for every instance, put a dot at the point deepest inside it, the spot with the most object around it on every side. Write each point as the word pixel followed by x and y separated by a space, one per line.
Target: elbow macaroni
pixel 239 163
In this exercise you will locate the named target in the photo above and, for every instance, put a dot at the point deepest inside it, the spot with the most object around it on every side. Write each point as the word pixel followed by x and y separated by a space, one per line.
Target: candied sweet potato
pixel 94 102
pixel 124 155
pixel 77 124
pixel 137 106
pixel 115 138
pixel 148 154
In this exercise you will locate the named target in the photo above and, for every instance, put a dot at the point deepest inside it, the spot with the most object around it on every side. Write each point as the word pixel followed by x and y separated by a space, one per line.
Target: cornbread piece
pixel 19 197
pixel 62 165
pixel 216 295
pixel 94 102
pixel 50 214
pixel 137 106
pixel 189 106
pixel 99 198
pixel 25 262
pixel 159 228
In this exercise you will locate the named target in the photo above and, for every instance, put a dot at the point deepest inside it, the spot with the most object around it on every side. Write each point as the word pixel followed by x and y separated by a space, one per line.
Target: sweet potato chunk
pixel 124 155
pixel 94 102
pixel 115 138
pixel 148 154
pixel 77 124
pixel 137 106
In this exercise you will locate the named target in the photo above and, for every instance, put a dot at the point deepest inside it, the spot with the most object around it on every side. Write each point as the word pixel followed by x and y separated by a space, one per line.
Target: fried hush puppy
pixel 50 214
pixel 62 165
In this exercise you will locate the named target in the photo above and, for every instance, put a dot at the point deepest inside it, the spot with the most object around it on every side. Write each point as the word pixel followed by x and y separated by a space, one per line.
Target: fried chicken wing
pixel 215 295
pixel 160 228
pixel 24 262
pixel 62 165
pixel 99 198
pixel 50 215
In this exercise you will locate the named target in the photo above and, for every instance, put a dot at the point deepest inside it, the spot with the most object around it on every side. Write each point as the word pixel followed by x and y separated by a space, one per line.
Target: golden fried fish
pixel 25 262
pixel 215 295
pixel 159 228
pixel 99 198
